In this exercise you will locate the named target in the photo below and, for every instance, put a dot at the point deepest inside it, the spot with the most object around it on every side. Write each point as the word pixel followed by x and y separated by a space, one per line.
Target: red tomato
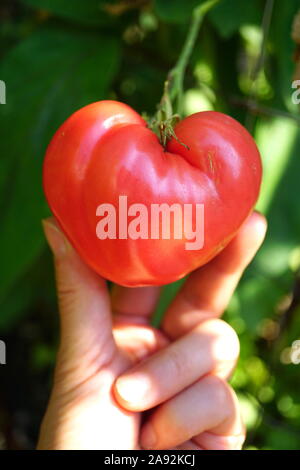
pixel 105 150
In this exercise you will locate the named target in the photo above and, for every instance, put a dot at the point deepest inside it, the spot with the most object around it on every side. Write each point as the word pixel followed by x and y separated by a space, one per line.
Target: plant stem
pixel 176 75
pixel 266 22
pixel 164 120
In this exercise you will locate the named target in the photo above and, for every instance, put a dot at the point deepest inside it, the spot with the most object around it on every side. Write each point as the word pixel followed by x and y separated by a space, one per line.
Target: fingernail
pixel 148 437
pixel 133 389
pixel 56 239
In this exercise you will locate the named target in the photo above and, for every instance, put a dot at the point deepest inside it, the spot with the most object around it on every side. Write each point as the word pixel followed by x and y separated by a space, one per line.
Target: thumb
pixel 86 342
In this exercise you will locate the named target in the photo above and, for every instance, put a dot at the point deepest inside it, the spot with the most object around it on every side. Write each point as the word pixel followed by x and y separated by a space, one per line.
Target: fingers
pixel 138 341
pixel 211 441
pixel 211 347
pixel 208 290
pixel 134 305
pixel 208 405
pixel 86 331
pixel 188 445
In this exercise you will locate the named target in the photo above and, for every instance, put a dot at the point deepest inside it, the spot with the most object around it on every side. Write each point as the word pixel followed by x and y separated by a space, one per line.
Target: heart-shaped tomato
pixel 105 171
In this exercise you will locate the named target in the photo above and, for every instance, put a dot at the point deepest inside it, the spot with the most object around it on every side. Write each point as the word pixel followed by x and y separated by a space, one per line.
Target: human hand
pixel 105 362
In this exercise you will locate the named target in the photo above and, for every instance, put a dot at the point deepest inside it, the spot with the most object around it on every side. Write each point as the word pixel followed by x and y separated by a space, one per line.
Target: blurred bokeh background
pixel 58 55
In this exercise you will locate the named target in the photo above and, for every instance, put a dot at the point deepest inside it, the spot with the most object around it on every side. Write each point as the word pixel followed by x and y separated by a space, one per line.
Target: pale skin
pixel 112 365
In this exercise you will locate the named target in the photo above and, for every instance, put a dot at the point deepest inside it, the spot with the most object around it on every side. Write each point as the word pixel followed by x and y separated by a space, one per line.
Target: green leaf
pixel 229 15
pixel 175 11
pixel 15 306
pixel 257 297
pixel 90 12
pixel 278 140
pixel 48 77
pixel 34 291
pixel 275 139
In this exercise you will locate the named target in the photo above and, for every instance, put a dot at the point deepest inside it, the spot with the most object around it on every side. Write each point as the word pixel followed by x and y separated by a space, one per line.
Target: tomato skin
pixel 105 150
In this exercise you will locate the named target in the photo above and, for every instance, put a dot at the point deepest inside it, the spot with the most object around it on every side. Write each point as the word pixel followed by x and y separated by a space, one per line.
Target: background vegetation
pixel 58 55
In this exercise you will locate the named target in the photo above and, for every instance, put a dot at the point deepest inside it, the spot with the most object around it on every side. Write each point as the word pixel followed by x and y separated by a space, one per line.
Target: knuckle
pixel 176 363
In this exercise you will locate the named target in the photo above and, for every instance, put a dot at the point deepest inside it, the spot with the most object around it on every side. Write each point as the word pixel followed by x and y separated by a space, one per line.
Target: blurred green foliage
pixel 58 55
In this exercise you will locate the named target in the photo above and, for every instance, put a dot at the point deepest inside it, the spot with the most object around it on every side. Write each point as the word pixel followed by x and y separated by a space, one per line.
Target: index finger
pixel 208 290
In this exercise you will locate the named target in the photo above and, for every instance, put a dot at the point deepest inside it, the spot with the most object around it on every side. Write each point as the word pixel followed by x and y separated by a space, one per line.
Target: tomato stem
pixel 163 122
pixel 176 75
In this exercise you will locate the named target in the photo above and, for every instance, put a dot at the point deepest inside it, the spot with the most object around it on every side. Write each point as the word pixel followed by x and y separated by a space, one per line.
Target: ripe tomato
pixel 105 150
